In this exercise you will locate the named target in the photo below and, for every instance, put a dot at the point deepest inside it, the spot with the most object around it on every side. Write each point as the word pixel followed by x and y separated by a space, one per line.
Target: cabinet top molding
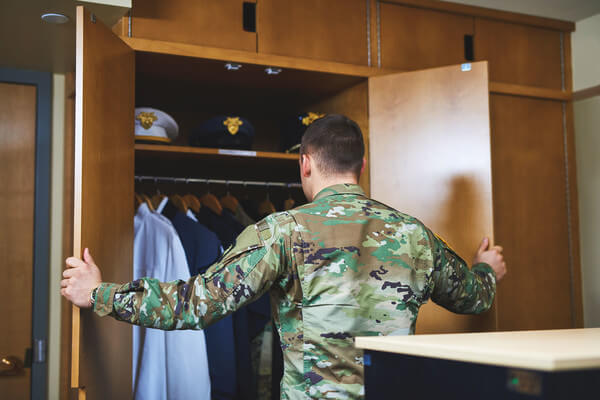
pixel 525 19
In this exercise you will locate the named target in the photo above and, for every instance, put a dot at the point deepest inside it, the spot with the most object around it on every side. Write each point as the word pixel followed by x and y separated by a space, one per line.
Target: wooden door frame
pixel 41 230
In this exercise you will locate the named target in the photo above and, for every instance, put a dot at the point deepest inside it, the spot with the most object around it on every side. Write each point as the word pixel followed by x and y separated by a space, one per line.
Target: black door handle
pixel 249 17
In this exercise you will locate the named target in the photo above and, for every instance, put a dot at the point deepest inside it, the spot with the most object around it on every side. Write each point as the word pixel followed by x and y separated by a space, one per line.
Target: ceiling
pixel 569 10
pixel 27 42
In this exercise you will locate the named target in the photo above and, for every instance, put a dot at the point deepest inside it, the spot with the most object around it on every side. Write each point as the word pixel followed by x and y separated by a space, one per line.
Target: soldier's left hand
pixel 491 256
pixel 81 277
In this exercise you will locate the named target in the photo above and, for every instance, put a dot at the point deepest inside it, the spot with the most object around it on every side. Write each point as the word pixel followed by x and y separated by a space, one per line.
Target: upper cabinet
pixel 331 30
pixel 413 38
pixel 216 23
pixel 519 54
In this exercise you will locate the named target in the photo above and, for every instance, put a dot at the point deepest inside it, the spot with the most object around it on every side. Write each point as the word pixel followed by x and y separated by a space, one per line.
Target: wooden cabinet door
pixel 18 113
pixel 103 201
pixel 332 30
pixel 415 38
pixel 214 23
pixel 532 215
pixel 519 54
pixel 429 135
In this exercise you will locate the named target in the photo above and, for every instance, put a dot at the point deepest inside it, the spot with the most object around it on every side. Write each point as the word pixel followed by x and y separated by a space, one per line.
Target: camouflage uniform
pixel 339 267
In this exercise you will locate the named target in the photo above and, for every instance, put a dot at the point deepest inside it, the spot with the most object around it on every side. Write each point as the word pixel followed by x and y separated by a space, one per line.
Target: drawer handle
pixel 469 52
pixel 11 366
pixel 249 17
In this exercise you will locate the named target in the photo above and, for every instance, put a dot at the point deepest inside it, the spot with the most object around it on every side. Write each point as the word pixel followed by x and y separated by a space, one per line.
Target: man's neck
pixel 338 180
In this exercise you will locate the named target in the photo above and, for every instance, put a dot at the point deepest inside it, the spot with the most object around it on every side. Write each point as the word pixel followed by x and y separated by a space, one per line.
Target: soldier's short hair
pixel 336 143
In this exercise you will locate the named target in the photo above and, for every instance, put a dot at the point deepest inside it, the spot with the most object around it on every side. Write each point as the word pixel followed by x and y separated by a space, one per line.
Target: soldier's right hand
pixel 81 278
pixel 491 256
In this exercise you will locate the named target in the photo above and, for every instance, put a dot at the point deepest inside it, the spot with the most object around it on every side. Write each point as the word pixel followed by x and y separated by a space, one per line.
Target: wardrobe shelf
pixel 210 152
pixel 200 162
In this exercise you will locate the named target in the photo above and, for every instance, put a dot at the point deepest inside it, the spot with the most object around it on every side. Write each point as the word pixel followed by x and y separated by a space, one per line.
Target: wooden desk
pixel 553 364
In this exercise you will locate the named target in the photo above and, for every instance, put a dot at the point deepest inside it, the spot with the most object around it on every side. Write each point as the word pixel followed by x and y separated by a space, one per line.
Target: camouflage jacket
pixel 339 267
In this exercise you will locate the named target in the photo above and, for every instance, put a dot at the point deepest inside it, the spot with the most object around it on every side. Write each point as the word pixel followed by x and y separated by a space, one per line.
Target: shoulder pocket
pixel 248 241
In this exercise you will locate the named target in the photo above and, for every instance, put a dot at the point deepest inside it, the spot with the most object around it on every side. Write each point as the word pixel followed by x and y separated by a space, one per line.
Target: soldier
pixel 341 266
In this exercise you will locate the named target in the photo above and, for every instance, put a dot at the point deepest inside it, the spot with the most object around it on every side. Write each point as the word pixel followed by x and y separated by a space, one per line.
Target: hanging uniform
pixel 166 364
pixel 339 267
pixel 202 248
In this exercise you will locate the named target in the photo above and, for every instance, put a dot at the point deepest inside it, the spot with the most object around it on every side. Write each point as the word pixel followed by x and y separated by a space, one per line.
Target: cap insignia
pixel 146 119
pixel 311 117
pixel 233 124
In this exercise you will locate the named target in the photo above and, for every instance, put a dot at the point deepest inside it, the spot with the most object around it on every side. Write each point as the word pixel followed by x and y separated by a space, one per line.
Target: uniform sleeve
pixel 457 288
pixel 244 272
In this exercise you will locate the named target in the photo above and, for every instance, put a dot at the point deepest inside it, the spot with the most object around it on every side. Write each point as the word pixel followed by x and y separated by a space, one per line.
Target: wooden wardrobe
pixel 448 144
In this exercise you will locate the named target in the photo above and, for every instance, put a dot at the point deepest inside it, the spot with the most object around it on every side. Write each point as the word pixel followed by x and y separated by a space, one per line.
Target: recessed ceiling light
pixel 54 18
pixel 232 66
pixel 273 70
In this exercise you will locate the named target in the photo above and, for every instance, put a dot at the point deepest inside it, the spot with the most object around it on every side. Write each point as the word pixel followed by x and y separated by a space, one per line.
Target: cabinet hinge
pixel 39 350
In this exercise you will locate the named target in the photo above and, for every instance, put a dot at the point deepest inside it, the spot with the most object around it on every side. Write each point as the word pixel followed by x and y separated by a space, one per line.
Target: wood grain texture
pixel 529 91
pixel 120 28
pixel 586 93
pixel 530 213
pixel 353 103
pixel 155 162
pixel 571 166
pixel 103 194
pixel 571 170
pixel 17 174
pixel 332 30
pixel 415 38
pixel 202 22
pixel 201 151
pixel 519 54
pixel 212 53
pixel 523 19
pixel 67 233
pixel 430 157
pixel 568 62
pixel 375 30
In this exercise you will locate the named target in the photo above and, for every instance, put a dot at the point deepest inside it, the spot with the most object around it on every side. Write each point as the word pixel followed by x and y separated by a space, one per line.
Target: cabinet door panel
pixel 103 200
pixel 214 23
pixel 530 211
pixel 519 54
pixel 430 157
pixel 333 30
pixel 414 38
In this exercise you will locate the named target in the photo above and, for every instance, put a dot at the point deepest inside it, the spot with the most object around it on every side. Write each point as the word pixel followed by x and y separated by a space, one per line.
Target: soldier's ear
pixel 305 165
pixel 362 168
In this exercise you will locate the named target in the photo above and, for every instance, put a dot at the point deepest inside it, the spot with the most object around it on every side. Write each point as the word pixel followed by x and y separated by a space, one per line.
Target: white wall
pixel 587 128
pixel 586 74
pixel 586 53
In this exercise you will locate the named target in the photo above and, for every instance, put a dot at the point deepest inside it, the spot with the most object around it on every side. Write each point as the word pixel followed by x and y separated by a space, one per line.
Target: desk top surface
pixel 553 350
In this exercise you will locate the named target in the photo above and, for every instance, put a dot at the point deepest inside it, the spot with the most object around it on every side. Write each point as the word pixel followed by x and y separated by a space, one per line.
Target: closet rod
pixel 215 181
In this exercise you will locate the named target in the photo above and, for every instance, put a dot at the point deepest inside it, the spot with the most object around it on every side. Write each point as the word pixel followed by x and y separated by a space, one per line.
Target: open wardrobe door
pixel 103 194
pixel 431 158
